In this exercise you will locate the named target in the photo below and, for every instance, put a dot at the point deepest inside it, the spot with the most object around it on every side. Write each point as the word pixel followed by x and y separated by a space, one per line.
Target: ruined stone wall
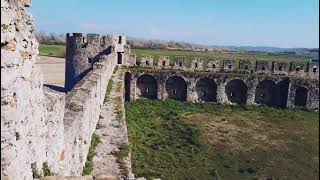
pixel 31 117
pixel 83 104
pixel 228 88
pixel 40 125
pixel 22 112
pixel 242 66
pixel 84 50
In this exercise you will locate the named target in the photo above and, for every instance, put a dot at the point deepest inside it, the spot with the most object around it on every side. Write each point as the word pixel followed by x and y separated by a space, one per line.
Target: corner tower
pixel 82 51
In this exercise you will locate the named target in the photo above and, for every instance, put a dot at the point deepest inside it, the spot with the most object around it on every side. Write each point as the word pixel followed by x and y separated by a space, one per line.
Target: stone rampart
pixel 40 126
pixel 83 104
pixel 299 69
pixel 224 88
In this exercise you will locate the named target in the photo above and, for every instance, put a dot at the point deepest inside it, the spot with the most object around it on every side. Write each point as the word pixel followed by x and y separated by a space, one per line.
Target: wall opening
pixel 280 68
pixel 206 90
pixel 246 67
pixel 196 65
pixel 213 66
pixel 176 87
pixel 120 57
pixel 180 64
pixel 120 40
pixel 127 80
pixel 236 91
pixel 283 87
pixel 90 60
pixel 301 97
pixel 163 63
pixel 263 68
pixel 229 66
pixel 147 86
pixel 314 69
pixel 266 93
pixel 297 68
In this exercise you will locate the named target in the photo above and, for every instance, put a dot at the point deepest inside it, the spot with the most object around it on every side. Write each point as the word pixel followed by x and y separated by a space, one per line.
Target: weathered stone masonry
pixel 252 89
pixel 273 83
pixel 40 125
pixel 84 50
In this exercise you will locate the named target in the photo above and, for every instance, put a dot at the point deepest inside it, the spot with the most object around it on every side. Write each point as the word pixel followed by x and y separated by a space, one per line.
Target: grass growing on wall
pixel 108 91
pixel 95 140
pixel 123 153
pixel 46 170
pixel 176 140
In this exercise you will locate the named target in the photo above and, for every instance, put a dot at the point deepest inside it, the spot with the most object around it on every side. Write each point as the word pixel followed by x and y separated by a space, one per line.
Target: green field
pixel 52 50
pixel 59 51
pixel 220 55
pixel 176 140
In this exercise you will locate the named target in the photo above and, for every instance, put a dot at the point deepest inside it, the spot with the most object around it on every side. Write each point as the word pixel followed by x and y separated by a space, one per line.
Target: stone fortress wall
pixel 42 126
pixel 273 83
pixel 83 51
pixel 297 68
pixel 223 88
pixel 39 125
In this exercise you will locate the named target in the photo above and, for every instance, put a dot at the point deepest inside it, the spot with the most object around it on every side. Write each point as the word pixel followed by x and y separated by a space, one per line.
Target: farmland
pixel 52 50
pixel 59 51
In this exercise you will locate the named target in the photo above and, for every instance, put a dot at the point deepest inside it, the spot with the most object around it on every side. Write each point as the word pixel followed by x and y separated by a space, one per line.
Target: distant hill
pixel 274 49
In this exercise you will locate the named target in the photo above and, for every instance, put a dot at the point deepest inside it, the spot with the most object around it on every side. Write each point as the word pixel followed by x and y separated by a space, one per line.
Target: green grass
pixel 108 91
pixel 59 51
pixel 95 140
pixel 52 50
pixel 175 140
pixel 121 154
pixel 46 170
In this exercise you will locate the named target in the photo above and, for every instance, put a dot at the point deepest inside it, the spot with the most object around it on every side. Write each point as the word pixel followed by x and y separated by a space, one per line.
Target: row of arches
pixel 267 92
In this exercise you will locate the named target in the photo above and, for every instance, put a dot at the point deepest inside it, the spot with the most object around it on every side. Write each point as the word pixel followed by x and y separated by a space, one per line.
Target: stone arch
pixel 236 91
pixel 176 87
pixel 283 87
pixel 301 96
pixel 206 89
pixel 127 81
pixel 147 86
pixel 266 93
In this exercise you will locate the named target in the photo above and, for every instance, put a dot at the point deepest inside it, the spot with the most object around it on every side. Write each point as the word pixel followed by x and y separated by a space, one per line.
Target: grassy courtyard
pixel 176 140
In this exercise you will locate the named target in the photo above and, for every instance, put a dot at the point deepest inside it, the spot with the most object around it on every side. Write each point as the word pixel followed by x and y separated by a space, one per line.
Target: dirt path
pixel 53 69
pixel 112 130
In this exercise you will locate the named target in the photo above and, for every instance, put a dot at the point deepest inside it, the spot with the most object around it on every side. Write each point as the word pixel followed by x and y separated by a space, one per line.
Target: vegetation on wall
pixel 95 140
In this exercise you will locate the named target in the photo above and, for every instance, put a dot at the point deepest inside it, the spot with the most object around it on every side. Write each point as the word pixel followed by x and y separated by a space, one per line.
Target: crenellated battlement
pixel 81 39
pixel 242 66
pixel 83 50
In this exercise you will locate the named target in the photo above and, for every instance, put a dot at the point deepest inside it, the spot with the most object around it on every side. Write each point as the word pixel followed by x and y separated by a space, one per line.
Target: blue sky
pixel 280 23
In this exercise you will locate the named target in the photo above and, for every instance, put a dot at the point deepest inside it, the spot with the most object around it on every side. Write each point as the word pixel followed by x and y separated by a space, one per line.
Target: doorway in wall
pixel 120 58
